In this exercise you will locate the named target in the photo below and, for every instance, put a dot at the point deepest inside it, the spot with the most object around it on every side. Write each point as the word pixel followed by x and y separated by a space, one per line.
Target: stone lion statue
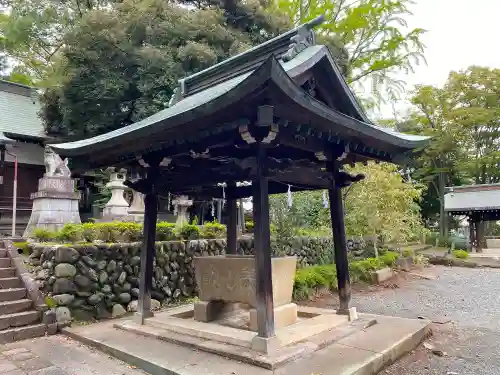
pixel 54 165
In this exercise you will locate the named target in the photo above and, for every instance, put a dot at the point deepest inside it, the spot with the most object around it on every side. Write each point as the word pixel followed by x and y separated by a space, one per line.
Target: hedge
pixel 113 232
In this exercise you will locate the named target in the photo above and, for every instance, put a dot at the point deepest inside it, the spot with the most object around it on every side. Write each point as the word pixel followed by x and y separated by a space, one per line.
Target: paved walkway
pixel 58 355
pixel 469 298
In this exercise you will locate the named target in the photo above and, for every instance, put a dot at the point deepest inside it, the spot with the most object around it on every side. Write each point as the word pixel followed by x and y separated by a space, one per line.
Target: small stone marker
pixel 353 314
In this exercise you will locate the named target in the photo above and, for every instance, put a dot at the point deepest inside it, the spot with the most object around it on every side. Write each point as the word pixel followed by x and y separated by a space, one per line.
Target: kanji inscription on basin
pixel 232 279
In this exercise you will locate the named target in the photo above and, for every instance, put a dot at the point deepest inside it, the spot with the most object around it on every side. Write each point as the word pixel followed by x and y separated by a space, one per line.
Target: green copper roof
pixel 19 109
pixel 231 82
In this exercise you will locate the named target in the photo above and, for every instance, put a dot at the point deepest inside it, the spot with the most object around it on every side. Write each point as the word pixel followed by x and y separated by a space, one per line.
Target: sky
pixel 460 33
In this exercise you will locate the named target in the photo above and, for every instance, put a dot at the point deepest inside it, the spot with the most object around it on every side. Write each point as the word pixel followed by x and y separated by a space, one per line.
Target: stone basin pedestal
pixel 225 281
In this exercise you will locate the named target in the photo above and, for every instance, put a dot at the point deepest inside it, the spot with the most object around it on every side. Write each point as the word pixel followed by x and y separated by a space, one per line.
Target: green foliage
pixel 213 230
pixel 383 205
pixel 463 118
pixel 43 235
pixel 23 246
pixel 189 232
pixel 369 38
pixel 50 302
pixel 249 226
pixel 166 231
pixel 460 254
pixel 120 63
pixel 389 258
pixel 129 232
pixel 311 279
pixel 407 253
pixel 90 232
pixel 70 233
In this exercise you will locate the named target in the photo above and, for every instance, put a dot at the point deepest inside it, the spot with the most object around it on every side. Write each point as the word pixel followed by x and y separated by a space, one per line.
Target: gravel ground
pixel 469 298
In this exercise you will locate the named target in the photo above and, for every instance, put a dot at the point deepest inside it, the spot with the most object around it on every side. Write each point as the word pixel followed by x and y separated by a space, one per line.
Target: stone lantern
pixel 117 207
pixel 182 203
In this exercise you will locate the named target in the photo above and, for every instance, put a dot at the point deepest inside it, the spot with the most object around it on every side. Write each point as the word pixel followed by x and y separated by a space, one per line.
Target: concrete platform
pixel 493 253
pixel 362 347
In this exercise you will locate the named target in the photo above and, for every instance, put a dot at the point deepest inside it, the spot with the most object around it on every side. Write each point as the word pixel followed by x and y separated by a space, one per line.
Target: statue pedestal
pixel 54 204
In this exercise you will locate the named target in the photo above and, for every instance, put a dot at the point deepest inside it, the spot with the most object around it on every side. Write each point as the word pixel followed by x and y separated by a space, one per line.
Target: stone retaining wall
pixel 102 280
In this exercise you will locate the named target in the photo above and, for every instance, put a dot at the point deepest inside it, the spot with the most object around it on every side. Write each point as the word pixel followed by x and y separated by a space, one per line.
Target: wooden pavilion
pixel 478 203
pixel 280 115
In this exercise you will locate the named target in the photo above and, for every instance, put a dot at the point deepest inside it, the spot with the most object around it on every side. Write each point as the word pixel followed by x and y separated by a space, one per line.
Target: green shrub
pixel 107 232
pixel 389 258
pixel 189 232
pixel 166 231
pixel 43 235
pixel 460 254
pixel 249 226
pixel 70 233
pixel 129 231
pixel 213 230
pixel 310 279
pixel 90 232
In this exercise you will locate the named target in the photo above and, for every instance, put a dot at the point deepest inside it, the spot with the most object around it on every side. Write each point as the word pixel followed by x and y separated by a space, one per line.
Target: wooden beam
pixel 232 223
pixel 262 245
pixel 340 244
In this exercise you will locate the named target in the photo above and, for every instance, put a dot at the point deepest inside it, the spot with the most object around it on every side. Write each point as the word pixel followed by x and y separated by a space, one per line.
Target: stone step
pixel 7 272
pixel 19 319
pixel 10 307
pixel 3 253
pixel 22 333
pixel 10 282
pixel 5 262
pixel 12 294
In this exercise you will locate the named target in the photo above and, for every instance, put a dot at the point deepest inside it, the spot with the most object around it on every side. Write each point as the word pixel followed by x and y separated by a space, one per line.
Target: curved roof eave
pixel 191 107
pixel 304 100
pixel 222 95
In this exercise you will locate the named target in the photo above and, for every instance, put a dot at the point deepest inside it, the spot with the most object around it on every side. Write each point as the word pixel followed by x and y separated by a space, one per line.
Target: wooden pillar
pixel 147 256
pixel 262 246
pixel 340 244
pixel 232 224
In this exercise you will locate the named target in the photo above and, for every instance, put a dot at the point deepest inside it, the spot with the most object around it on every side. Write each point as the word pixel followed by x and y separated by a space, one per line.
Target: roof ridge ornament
pixel 247 61
pixel 304 38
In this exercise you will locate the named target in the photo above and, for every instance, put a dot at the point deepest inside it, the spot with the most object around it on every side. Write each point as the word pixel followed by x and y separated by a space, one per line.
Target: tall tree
pixel 370 38
pixel 475 95
pixel 33 31
pixel 121 64
pixel 463 117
